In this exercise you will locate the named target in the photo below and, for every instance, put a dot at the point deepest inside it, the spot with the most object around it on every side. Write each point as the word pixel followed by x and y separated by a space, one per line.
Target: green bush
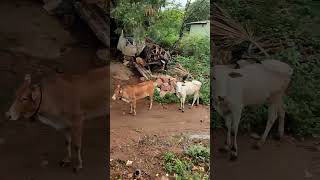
pixel 167 99
pixel 195 45
pixel 199 153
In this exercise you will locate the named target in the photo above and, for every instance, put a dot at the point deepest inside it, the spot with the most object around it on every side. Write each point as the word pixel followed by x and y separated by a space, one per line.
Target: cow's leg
pixel 272 115
pixel 236 116
pixel 198 97
pixel 227 144
pixel 281 115
pixel 183 102
pixel 131 108
pixel 151 100
pixel 134 107
pixel 195 96
pixel 180 103
pixel 67 160
pixel 77 130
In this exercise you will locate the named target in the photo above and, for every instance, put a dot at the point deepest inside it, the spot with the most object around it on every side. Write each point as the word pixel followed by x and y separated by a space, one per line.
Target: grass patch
pixel 192 164
pixel 167 99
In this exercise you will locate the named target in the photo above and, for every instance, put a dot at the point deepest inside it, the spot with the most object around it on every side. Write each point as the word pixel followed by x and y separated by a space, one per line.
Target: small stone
pixel 157 175
pixel 130 175
pixel 124 113
pixel 129 163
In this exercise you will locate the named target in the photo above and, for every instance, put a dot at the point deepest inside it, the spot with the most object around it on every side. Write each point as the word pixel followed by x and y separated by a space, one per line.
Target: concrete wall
pixel 200 29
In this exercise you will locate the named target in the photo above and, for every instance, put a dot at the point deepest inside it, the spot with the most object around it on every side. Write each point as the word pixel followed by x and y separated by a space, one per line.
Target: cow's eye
pixel 24 99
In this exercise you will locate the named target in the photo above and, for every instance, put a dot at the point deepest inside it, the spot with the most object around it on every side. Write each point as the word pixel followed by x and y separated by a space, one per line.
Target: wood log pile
pixel 154 54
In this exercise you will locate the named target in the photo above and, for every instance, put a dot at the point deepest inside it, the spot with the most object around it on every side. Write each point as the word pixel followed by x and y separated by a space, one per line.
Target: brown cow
pixel 63 102
pixel 132 93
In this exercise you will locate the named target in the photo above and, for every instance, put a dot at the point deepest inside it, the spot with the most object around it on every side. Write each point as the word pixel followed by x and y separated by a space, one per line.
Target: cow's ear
pixel 27 78
pixel 235 75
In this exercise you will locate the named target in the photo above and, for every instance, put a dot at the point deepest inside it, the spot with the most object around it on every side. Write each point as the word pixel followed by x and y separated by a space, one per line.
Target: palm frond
pixel 227 32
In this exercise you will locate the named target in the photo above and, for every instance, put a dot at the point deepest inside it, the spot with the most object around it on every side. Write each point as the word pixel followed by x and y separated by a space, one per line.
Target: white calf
pixel 183 89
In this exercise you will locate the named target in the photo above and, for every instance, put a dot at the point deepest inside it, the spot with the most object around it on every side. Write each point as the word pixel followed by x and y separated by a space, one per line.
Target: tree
pixel 199 10
pixel 134 16
pixel 165 30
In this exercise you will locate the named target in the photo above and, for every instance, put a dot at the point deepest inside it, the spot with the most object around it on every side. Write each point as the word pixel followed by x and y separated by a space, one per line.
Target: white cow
pixel 183 89
pixel 252 84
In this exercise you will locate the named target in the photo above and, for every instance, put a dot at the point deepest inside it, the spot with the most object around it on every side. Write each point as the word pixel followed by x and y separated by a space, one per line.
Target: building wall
pixel 200 29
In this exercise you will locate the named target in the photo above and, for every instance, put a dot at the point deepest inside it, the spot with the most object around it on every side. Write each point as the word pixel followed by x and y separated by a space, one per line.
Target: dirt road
pixel 286 160
pixel 158 127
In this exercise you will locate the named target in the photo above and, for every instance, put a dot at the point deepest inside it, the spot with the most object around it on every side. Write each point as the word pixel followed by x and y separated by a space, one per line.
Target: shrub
pixel 195 45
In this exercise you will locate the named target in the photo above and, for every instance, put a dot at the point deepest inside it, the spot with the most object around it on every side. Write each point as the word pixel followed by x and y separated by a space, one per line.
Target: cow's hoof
pixel 77 169
pixel 64 163
pixel 183 111
pixel 233 156
pixel 257 145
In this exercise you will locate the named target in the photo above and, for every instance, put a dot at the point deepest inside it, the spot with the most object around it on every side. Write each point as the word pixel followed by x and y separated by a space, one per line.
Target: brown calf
pixel 132 93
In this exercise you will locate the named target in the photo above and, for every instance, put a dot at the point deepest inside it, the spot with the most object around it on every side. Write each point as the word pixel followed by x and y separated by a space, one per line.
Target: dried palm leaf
pixel 228 32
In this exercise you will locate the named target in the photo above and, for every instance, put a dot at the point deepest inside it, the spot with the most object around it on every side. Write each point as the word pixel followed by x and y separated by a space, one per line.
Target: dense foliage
pixel 165 30
pixel 292 21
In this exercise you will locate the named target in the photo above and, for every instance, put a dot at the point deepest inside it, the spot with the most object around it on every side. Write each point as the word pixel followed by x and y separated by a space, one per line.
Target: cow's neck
pixel 125 97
